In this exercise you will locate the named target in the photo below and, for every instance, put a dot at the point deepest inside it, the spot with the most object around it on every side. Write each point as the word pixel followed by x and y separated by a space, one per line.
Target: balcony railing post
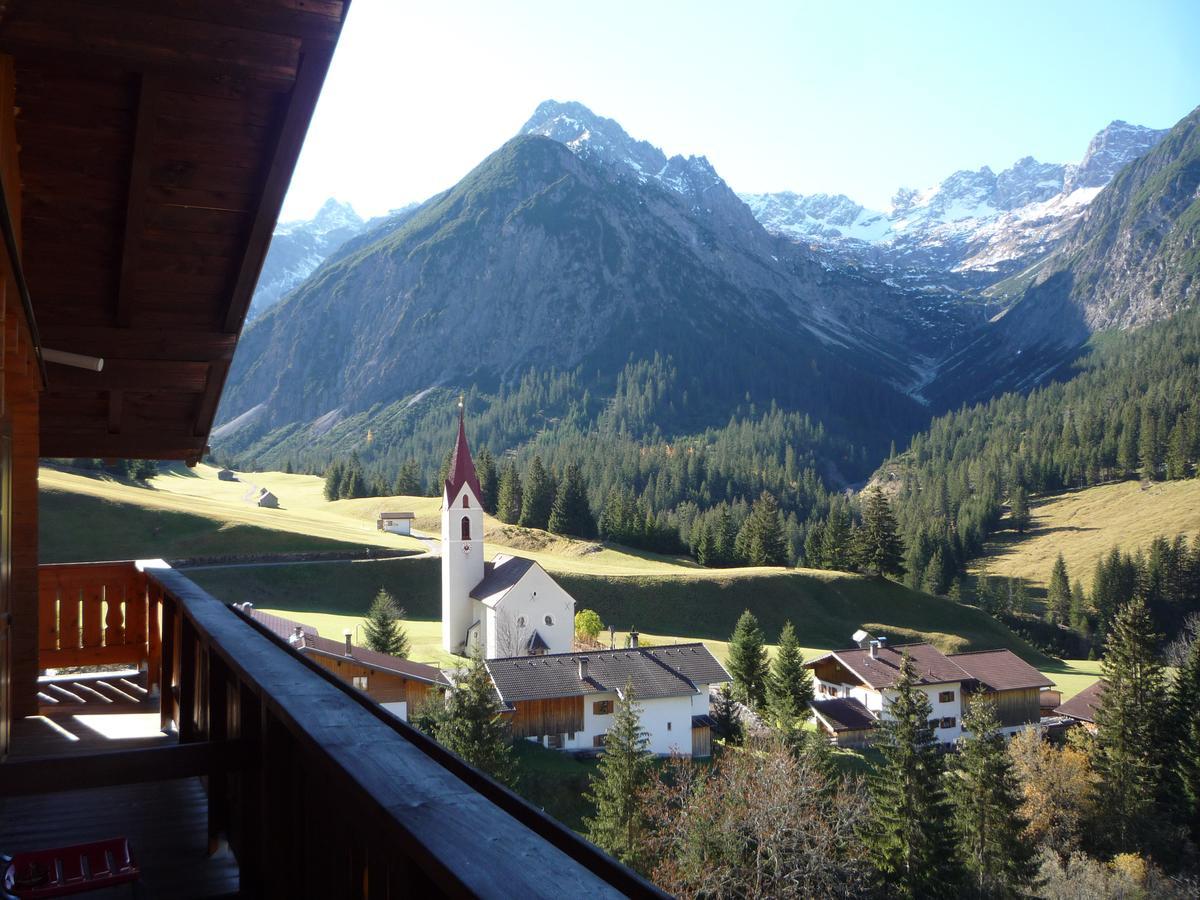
pixel 154 612
pixel 189 713
pixel 218 730
pixel 167 697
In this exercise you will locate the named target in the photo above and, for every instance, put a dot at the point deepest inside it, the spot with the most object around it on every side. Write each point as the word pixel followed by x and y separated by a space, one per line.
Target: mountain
pixel 1132 257
pixel 298 247
pixel 967 232
pixel 590 255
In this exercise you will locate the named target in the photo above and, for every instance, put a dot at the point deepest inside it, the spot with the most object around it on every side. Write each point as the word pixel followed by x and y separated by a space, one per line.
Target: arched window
pixel 466 501
pixel 466 528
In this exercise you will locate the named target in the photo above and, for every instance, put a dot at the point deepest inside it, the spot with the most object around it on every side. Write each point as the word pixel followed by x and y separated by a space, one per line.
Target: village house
pixel 854 687
pixel 1081 709
pixel 398 685
pixel 395 522
pixel 507 607
pixel 566 701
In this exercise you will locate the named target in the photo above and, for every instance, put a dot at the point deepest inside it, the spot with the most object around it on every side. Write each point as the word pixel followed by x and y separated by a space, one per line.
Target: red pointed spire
pixel 462 467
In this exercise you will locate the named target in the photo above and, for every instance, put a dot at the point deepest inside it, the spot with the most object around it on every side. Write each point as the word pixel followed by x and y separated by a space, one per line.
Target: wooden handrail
pixel 336 798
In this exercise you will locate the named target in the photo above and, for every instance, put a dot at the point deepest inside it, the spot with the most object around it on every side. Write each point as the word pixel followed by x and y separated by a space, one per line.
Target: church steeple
pixel 462 467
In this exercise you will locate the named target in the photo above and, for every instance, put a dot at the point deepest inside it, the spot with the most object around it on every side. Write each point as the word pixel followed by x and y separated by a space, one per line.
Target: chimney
pixel 882 641
pixel 874 649
pixel 347 634
pixel 633 639
pixel 583 668
pixel 612 638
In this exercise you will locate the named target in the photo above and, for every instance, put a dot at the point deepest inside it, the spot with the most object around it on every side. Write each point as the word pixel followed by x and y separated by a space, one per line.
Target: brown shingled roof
pixel 1083 705
pixel 312 642
pixel 1000 670
pixel 844 714
pixel 883 670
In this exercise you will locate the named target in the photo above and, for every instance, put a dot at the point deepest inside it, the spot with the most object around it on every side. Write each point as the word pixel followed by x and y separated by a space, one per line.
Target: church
pixel 507 607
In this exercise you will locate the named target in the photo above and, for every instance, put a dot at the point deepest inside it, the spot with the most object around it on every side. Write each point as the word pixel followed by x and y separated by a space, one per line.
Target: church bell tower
pixel 462 542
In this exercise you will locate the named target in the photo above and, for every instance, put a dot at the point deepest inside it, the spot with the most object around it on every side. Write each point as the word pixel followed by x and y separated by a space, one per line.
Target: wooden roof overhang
pixel 157 139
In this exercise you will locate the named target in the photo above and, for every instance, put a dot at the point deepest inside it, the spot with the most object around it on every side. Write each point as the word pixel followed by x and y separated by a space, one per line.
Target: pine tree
pixel 907 830
pixel 880 550
pixel 986 797
pixel 443 472
pixel 762 536
pixel 789 683
pixel 408 480
pixel 333 481
pixel 1185 725
pixel 1079 616
pixel 537 496
pixel 485 472
pixel 508 496
pixel 1129 749
pixel 814 546
pixel 836 552
pixel 748 660
pixel 571 513
pixel 1058 595
pixel 382 627
pixel 614 790
pixel 704 549
pixel 728 717
pixel 354 482
pixel 1149 445
pixel 1019 509
pixel 472 725
pixel 1177 466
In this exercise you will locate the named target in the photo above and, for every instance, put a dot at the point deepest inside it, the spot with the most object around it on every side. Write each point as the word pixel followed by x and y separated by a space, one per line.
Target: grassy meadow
pixel 1084 525
pixel 189 512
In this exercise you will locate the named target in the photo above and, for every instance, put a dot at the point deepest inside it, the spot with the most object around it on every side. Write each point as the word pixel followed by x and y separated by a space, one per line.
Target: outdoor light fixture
pixel 78 360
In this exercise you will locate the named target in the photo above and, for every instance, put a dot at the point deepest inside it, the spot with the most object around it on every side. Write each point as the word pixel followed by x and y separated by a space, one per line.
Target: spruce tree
pixel 485 472
pixel 1058 595
pixel 704 548
pixel 333 481
pixel 408 480
pixel 472 725
pixel 537 496
pixel 443 472
pixel 1079 615
pixel 907 831
pixel 615 788
pixel 814 546
pixel 836 552
pixel 728 717
pixel 571 513
pixel 1185 726
pixel 748 660
pixel 762 539
pixel 508 496
pixel 1129 750
pixel 986 797
pixel 880 550
pixel 1019 509
pixel 789 683
pixel 382 627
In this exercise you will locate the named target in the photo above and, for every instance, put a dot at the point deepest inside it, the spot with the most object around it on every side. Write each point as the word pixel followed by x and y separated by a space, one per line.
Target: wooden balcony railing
pixel 97 614
pixel 321 792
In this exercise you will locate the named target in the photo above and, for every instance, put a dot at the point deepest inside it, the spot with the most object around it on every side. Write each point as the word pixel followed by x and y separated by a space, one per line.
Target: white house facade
pixel 568 701
pixel 507 607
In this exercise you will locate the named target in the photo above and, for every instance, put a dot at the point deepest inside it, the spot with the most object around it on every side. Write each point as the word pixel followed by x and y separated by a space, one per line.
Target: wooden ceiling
pixel 157 139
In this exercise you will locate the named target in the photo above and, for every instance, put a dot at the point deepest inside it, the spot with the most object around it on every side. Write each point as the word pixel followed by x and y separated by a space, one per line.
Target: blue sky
pixel 857 98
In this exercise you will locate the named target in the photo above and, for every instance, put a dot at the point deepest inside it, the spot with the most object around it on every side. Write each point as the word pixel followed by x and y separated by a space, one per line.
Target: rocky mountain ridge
pixel 969 231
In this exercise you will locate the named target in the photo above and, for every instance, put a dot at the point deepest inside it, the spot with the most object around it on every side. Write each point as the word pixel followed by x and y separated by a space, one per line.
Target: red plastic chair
pixel 62 871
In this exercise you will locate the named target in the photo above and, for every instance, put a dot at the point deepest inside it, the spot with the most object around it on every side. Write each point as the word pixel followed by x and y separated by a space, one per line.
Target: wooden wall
pixel 1018 707
pixel 19 420
pixel 382 687
pixel 558 715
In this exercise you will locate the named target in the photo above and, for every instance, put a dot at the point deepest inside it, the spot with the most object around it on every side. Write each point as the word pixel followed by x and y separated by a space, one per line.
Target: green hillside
pixel 826 607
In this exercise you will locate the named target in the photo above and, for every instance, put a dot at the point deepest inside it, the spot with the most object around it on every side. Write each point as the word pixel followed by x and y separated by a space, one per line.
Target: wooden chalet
pixel 145 149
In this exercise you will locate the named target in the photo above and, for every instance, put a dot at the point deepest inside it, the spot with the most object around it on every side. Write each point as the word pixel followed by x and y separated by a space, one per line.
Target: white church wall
pixel 525 609
pixel 462 565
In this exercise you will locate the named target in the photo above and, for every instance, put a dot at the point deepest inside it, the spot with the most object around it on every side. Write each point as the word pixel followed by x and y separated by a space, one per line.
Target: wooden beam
pixel 135 201
pixel 127 445
pixel 138 344
pixel 114 412
pixel 49 774
pixel 217 372
pixel 309 79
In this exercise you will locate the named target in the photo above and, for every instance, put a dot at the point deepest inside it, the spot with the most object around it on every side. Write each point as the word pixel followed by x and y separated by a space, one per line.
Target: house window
pixel 549 620
pixel 466 528
pixel 554 741
pixel 360 682
pixel 466 502
pixel 668 726
pixel 598 740
pixel 520 621
pixel 948 722
pixel 602 708
pixel 570 735
pixel 946 697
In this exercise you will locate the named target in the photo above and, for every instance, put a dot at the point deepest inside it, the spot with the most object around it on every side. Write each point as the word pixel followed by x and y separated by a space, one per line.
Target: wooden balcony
pixel 269 777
